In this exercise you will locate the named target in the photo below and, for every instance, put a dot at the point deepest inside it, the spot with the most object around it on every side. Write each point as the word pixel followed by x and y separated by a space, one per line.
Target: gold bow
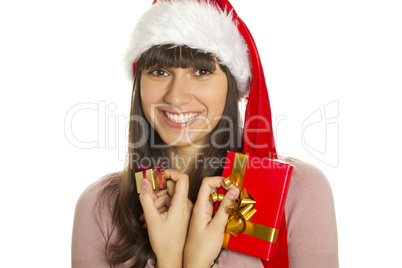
pixel 240 212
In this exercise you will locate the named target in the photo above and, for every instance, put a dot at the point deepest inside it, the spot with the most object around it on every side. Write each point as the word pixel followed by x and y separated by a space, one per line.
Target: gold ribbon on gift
pixel 241 212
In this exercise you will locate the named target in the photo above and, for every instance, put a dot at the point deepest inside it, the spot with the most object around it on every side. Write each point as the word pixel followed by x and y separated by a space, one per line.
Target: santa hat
pixel 214 27
pixel 211 30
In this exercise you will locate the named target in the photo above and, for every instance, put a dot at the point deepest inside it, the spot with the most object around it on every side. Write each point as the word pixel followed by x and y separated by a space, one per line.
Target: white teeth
pixel 181 118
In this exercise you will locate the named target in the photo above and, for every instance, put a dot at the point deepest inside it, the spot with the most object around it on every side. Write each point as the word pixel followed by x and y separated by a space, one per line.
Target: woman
pixel 191 62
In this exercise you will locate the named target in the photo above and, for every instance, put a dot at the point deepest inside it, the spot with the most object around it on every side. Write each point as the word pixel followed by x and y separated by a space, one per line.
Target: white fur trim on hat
pixel 196 24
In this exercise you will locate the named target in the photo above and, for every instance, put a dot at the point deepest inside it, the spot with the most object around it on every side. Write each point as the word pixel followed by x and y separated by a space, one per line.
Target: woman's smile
pixel 183 105
pixel 183 119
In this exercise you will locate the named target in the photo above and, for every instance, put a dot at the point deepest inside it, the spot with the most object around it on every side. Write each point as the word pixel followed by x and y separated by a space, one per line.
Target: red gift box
pixel 267 183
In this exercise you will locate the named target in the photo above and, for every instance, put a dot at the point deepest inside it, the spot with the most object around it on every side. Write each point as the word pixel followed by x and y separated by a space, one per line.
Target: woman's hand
pixel 168 230
pixel 162 199
pixel 205 237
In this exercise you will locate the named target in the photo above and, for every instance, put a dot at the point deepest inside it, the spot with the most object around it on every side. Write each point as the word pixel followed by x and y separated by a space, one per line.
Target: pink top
pixel 310 215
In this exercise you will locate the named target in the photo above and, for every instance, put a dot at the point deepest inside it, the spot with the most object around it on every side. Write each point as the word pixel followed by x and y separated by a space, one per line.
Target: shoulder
pixel 93 219
pixel 309 189
pixel 306 177
pixel 100 192
pixel 98 199
pixel 310 217
pixel 94 190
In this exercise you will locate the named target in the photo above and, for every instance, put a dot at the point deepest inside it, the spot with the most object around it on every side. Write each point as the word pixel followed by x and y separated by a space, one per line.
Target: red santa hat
pixel 213 26
pixel 196 24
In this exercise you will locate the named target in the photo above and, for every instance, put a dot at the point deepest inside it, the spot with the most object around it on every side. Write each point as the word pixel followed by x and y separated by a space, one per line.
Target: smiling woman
pixel 167 90
pixel 191 63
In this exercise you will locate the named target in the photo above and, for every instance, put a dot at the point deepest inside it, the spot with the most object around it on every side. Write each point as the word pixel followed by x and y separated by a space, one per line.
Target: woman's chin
pixel 185 142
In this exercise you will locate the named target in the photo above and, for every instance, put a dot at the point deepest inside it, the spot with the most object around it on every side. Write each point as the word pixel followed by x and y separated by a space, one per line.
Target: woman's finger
pixel 172 174
pixel 163 209
pixel 160 193
pixel 169 191
pixel 221 216
pixel 171 185
pixel 162 201
pixel 160 210
pixel 203 209
pixel 146 198
pixel 208 185
pixel 226 187
pixel 181 188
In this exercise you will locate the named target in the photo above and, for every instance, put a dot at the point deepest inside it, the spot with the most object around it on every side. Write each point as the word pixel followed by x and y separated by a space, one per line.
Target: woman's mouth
pixel 181 118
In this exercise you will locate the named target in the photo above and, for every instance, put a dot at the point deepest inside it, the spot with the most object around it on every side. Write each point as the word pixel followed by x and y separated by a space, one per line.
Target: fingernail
pixel 143 185
pixel 233 193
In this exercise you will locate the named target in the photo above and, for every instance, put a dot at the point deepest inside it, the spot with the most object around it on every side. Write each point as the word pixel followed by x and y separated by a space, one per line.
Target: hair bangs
pixel 172 56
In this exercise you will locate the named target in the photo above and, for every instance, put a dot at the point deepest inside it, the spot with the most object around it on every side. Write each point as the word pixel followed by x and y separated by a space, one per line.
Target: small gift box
pixel 254 219
pixel 156 175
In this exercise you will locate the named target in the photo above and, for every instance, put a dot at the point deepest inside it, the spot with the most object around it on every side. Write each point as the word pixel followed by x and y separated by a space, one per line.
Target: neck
pixel 184 158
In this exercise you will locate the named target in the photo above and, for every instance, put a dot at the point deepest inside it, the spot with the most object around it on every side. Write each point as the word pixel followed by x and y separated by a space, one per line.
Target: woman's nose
pixel 178 92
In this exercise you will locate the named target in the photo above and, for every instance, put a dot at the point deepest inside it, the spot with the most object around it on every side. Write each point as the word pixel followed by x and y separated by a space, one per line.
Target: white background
pixel 58 54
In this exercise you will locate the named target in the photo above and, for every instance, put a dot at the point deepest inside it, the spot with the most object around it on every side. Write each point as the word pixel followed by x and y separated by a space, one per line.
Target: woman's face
pixel 183 104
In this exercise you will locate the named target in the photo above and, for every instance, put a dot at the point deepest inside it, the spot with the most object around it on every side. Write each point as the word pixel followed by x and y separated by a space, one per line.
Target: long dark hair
pixel 133 238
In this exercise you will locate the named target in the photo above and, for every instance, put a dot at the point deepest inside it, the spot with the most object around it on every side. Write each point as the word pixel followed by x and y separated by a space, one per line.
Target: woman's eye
pixel 202 72
pixel 159 73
